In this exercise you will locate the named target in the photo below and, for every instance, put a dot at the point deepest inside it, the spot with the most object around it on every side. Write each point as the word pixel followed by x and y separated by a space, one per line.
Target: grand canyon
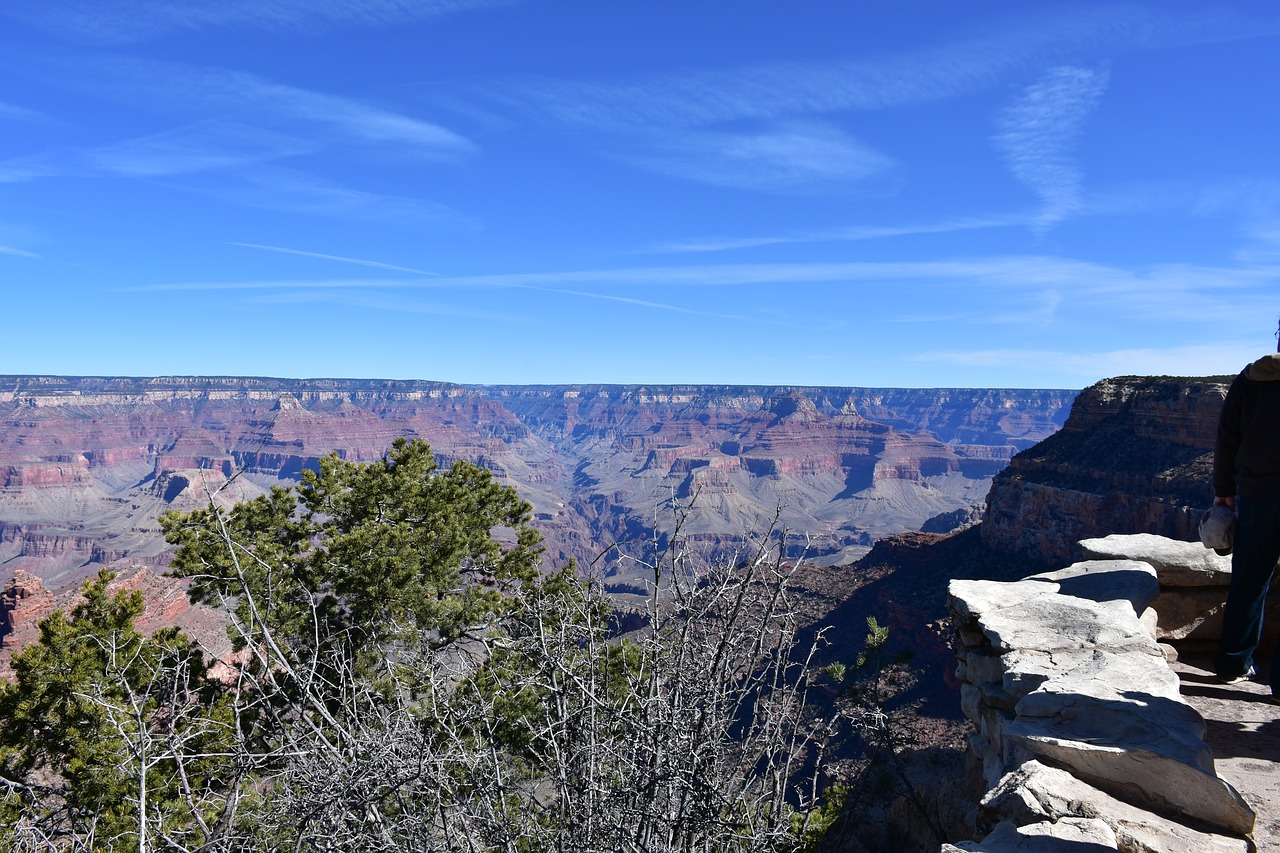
pixel 873 483
pixel 88 464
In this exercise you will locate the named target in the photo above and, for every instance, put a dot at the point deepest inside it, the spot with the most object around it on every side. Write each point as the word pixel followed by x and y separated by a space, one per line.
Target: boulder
pixel 1069 835
pixel 1176 563
pixel 1193 584
pixel 1051 623
pixel 972 599
pixel 1140 747
pixel 1132 581
pixel 1082 606
pixel 1035 793
pixel 1099 672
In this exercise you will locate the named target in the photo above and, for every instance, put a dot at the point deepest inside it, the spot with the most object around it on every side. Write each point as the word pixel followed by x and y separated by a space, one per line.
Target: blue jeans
pixel 1253 559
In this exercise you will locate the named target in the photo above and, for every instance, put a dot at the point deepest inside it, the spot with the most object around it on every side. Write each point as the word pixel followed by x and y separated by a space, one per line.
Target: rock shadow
pixel 1236 739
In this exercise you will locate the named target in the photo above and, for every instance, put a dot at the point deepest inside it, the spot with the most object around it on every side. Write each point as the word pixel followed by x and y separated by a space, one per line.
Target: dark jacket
pixel 1246 459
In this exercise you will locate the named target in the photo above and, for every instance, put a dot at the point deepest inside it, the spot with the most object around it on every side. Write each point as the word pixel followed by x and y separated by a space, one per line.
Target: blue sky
pixel 914 194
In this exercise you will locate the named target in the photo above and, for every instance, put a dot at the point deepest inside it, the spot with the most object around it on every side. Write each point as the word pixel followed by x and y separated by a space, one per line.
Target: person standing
pixel 1246 478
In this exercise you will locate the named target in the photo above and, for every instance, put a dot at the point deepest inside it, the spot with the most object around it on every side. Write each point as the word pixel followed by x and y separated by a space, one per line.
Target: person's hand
pixel 1228 502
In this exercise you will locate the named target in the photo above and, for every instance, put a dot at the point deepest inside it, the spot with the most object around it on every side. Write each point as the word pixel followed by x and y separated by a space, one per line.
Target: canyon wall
pixel 1134 456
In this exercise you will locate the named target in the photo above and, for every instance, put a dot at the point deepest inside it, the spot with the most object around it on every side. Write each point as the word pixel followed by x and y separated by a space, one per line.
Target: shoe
pixel 1236 679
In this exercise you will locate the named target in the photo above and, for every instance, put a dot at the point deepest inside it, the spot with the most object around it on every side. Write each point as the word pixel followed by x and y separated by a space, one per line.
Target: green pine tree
pixel 109 738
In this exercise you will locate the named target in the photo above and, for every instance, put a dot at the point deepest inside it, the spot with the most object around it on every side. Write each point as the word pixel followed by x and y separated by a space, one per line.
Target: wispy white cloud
pixel 277 284
pixel 766 92
pixel 690 125
pixel 358 121
pixel 626 300
pixel 9 112
pixel 384 302
pixel 211 147
pixel 838 235
pixel 1264 244
pixel 1045 284
pixel 246 104
pixel 207 146
pixel 132 20
pixel 1249 198
pixel 1256 199
pixel 258 122
pixel 1024 298
pixel 771 91
pixel 358 261
pixel 250 99
pixel 1210 359
pixel 1038 134
pixel 278 188
pixel 231 162
pixel 1158 290
pixel 259 186
pixel 315 290
pixel 18 253
pixel 1030 307
pixel 792 156
pixel 19 169
pixel 231 157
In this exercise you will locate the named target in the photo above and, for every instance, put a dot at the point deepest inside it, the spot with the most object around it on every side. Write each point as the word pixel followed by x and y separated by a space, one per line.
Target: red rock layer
pixel 25 602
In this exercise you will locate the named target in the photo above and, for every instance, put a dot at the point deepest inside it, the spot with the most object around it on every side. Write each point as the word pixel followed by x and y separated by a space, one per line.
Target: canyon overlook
pixel 88 464
pixel 1128 468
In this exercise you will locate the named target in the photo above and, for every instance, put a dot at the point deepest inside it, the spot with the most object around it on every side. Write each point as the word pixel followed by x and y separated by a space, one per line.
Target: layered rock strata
pixel 1134 456
pixel 87 464
pixel 1062 674
pixel 23 603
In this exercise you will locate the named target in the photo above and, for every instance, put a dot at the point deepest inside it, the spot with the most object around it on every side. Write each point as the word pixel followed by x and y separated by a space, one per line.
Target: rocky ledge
pixel 1084 741
pixel 1193 585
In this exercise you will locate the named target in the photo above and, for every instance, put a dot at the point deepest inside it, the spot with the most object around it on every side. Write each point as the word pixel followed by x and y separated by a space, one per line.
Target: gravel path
pixel 1244 734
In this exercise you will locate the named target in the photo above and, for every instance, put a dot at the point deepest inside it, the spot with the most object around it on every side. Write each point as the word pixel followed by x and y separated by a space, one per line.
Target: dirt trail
pixel 1244 734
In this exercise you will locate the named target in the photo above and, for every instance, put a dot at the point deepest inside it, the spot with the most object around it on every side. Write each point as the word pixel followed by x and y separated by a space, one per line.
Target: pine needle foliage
pixel 407 677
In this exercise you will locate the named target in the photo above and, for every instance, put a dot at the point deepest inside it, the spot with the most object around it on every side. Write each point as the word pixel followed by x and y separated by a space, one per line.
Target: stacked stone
pixel 1193 584
pixel 1082 734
